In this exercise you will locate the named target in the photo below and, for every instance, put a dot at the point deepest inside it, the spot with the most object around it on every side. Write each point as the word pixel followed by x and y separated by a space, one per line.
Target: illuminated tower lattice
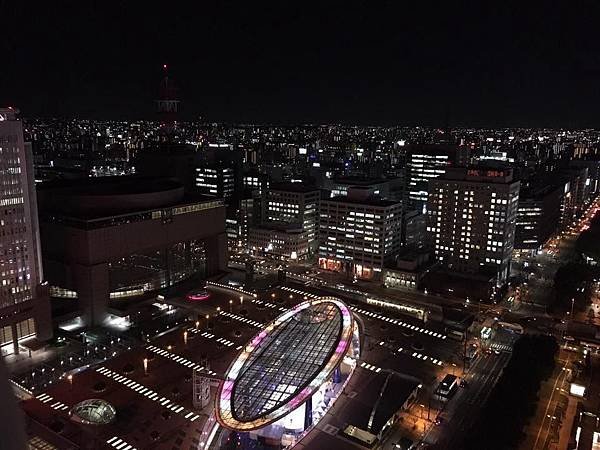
pixel 167 105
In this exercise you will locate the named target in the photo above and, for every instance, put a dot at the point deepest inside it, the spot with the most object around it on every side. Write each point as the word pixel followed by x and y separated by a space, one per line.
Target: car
pixel 199 295
pixel 463 383
pixel 439 421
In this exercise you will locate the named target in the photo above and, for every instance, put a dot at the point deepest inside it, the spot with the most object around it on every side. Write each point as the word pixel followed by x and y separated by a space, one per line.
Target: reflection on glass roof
pixel 286 360
pixel 285 363
pixel 93 412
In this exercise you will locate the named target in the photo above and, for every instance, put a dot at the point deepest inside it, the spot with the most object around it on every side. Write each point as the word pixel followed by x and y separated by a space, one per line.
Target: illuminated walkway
pixel 179 359
pixel 120 444
pixel 399 322
pixel 374 315
pixel 207 335
pixel 414 354
pixel 242 319
pixel 59 406
pixel 148 393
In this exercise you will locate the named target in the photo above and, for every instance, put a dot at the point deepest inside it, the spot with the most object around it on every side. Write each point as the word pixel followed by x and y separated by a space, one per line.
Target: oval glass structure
pixel 284 364
pixel 93 412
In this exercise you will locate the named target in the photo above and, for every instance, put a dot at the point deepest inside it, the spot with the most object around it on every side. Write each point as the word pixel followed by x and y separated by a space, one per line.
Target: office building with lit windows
pixel 538 216
pixel 576 194
pixel 358 233
pixel 279 241
pixel 471 220
pixel 386 188
pixel 215 180
pixel 426 162
pixel 295 206
pixel 255 182
pixel 24 303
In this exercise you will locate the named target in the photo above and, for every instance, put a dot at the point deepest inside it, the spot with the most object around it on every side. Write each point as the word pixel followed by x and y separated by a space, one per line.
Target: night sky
pixel 480 63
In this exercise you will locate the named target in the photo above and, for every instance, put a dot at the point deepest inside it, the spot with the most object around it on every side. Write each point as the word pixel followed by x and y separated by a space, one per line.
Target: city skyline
pixel 452 65
pixel 346 225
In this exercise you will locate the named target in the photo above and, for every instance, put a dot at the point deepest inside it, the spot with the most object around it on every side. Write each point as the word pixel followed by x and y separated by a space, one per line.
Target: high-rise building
pixel 424 163
pixel 294 204
pixel 219 172
pixel 288 225
pixel 471 220
pixel 24 303
pixel 216 180
pixel 593 166
pixel 538 216
pixel 358 233
pixel 576 190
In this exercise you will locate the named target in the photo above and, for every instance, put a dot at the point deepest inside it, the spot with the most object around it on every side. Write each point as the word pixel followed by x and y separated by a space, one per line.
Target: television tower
pixel 167 105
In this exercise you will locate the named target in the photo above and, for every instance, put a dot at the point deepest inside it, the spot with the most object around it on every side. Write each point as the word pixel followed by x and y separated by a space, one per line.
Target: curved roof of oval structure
pixel 284 364
pixel 94 411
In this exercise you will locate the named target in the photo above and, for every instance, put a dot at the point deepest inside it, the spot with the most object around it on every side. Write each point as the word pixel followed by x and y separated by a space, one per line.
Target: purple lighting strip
pixel 223 408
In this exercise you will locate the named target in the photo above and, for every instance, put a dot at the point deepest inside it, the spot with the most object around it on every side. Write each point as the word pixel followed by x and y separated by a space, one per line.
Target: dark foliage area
pixel 573 281
pixel 512 402
pixel 588 242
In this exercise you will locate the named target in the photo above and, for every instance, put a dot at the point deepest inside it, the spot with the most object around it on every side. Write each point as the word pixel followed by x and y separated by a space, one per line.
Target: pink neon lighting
pixel 198 296
pixel 224 407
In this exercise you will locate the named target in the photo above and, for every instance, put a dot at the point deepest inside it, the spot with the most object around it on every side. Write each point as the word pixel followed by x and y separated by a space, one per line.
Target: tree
pixel 513 400
pixel 573 281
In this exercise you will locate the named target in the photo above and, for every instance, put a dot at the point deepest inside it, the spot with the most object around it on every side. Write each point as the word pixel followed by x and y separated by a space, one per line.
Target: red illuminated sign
pixel 485 173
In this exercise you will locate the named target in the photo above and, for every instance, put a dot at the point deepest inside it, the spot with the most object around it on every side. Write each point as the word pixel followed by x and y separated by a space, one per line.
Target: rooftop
pixel 361 181
pixel 293 187
pixel 284 364
pixel 105 197
pixel 370 201
pixel 125 185
pixel 381 397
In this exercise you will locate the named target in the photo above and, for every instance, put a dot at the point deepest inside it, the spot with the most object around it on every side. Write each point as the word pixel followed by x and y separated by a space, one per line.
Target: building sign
pixel 486 173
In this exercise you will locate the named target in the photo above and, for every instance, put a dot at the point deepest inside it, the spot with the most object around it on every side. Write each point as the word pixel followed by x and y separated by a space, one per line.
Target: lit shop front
pixel 289 375
pixel 362 271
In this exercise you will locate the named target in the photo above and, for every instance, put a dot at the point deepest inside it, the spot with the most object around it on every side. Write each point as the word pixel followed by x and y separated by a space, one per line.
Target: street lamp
pixel 241 300
pixel 197 324
pixel 207 318
pixel 145 361
pixel 185 337
pixel 70 378
pixel 230 306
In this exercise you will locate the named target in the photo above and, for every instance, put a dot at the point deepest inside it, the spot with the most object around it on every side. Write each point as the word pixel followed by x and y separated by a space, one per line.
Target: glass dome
pixel 93 412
